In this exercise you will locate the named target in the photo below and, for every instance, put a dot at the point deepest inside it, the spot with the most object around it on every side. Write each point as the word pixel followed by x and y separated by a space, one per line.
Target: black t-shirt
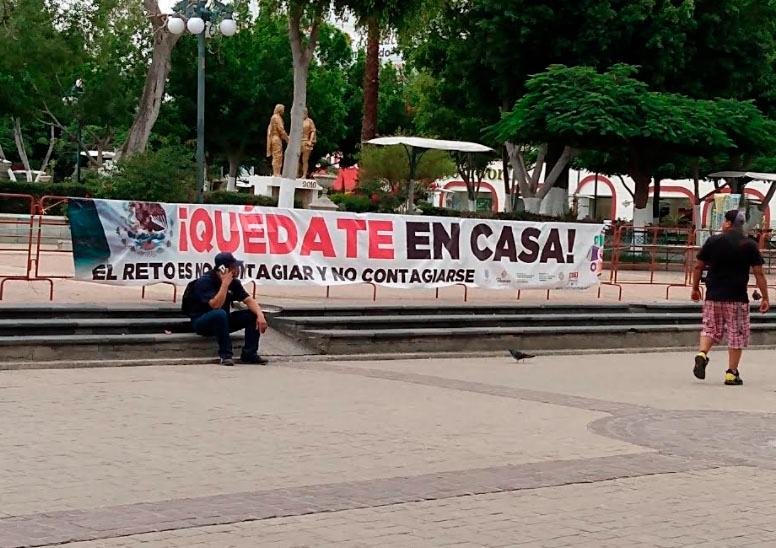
pixel 729 257
pixel 206 288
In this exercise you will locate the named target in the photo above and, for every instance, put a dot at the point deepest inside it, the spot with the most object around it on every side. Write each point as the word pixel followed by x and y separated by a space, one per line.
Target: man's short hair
pixel 736 217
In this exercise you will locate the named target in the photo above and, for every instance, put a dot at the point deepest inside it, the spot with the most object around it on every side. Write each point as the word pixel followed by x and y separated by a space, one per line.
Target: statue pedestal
pixel 322 201
pixel 284 190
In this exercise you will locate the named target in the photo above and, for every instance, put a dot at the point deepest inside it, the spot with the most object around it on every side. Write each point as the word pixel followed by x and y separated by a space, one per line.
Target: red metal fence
pixel 633 256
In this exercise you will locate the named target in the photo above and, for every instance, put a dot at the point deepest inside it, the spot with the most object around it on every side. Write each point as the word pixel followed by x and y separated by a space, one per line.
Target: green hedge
pixel 11 205
pixel 43 189
pixel 355 203
pixel 238 198
pixel 433 211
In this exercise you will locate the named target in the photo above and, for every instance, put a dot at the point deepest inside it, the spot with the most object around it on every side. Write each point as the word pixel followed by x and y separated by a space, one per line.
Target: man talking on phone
pixel 208 303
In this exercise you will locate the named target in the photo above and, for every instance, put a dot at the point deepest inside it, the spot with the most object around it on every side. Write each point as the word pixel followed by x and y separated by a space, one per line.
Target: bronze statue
pixel 309 138
pixel 276 134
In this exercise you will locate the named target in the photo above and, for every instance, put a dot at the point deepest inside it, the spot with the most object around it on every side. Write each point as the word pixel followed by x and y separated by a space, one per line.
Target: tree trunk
pixel 234 164
pixel 302 54
pixel 234 168
pixel 2 153
pixel 519 170
pixel 641 192
pixel 558 169
pixel 532 204
pixel 555 198
pixel 656 202
pixel 640 170
pixel 555 203
pixel 505 174
pixel 539 166
pixel 153 91
pixel 371 80
pixel 293 152
pixel 19 139
pixel 44 165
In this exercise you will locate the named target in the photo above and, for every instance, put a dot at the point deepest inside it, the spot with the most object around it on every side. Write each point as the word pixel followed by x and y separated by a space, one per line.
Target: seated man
pixel 209 306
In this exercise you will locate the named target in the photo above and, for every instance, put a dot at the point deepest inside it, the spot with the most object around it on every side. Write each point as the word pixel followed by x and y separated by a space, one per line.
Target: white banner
pixel 123 242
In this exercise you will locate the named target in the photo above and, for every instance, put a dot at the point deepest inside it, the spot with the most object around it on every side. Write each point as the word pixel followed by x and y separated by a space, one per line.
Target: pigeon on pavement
pixel 520 355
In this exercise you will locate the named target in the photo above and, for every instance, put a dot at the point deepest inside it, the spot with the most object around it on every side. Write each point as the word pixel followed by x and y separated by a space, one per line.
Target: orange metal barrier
pixel 29 275
pixel 45 205
pixel 465 292
pixel 650 249
pixel 29 201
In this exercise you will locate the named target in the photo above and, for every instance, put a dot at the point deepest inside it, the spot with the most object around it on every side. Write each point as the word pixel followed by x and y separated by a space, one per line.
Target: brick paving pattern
pixel 589 451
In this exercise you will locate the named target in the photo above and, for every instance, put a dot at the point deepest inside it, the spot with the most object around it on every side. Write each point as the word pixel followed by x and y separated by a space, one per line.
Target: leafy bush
pixel 165 175
pixel 238 198
pixel 355 203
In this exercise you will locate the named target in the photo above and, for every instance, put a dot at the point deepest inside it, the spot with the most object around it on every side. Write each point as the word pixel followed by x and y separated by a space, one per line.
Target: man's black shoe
pixel 254 359
pixel 701 361
pixel 227 361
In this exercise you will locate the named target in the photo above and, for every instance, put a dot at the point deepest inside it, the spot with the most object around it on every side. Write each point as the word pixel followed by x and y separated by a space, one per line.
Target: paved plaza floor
pixel 591 450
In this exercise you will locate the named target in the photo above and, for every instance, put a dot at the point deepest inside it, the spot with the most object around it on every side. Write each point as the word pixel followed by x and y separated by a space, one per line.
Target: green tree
pixel 39 51
pixel 161 43
pixel 378 17
pixel 702 48
pixel 581 108
pixel 164 175
pixel 247 75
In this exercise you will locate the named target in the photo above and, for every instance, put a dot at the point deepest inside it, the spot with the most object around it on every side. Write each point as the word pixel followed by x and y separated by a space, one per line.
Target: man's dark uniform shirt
pixel 206 287
pixel 729 258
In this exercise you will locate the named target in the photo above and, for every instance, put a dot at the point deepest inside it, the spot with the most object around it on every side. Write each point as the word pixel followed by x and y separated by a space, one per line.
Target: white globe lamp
pixel 176 25
pixel 228 27
pixel 195 25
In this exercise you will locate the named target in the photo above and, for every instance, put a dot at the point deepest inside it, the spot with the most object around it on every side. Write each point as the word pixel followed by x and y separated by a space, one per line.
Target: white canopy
pixel 761 176
pixel 437 144
pixel 728 174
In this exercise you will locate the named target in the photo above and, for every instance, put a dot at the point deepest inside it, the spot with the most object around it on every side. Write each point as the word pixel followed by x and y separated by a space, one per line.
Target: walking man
pixel 728 257
pixel 208 303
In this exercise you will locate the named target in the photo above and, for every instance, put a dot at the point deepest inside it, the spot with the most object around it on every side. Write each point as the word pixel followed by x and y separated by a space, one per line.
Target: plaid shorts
pixel 731 318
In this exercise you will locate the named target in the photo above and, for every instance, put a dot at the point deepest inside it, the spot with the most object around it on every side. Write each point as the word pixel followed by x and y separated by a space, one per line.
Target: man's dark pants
pixel 219 324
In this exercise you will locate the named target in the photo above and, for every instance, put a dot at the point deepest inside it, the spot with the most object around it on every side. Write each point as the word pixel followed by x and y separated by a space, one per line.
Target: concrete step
pixel 93 326
pixel 598 337
pixel 334 310
pixel 31 349
pixel 61 311
pixel 408 321
pixel 68 333
pixel 90 347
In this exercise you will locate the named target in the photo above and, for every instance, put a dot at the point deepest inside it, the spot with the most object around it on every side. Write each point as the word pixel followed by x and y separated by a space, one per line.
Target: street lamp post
pixel 195 15
pixel 72 99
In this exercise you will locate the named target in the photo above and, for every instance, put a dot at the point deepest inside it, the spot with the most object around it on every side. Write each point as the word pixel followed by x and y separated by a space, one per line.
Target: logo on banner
pixel 596 255
pixel 148 230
